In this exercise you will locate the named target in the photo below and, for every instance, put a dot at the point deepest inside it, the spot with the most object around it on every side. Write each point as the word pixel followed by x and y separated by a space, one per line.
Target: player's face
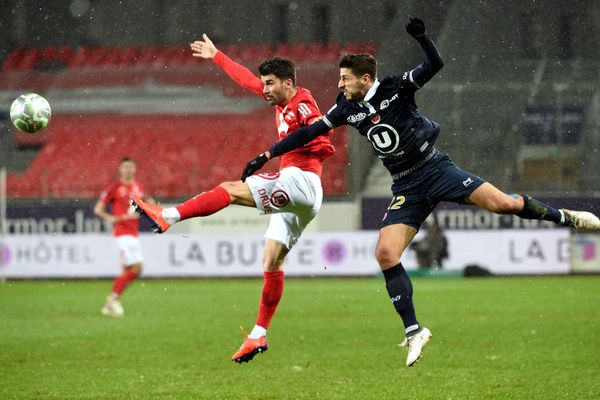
pixel 354 87
pixel 127 170
pixel 276 90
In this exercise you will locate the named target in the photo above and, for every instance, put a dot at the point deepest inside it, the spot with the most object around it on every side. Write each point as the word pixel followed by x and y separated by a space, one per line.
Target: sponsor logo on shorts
pixel 467 182
pixel 264 201
pixel 271 176
pixel 280 199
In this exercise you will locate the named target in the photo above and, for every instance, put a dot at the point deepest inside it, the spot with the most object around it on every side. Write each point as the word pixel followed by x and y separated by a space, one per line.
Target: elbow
pixel 439 64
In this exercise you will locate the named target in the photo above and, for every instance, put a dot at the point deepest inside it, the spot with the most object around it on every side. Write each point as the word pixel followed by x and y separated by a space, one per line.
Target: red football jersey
pixel 118 197
pixel 300 111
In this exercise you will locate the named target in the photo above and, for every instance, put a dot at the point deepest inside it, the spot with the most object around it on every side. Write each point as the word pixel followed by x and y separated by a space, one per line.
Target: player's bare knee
pixel 506 205
pixel 272 265
pixel 135 268
pixel 387 256
pixel 232 188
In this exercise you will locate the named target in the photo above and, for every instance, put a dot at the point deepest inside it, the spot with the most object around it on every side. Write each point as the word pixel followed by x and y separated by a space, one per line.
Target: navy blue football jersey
pixel 389 118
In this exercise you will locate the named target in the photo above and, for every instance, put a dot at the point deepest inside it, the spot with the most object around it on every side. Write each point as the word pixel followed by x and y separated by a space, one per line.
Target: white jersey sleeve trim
pixel 328 122
pixel 410 77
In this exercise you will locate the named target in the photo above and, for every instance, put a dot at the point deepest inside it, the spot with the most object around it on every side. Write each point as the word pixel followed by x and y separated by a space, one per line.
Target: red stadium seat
pixel 129 56
pixel 80 57
pixel 163 56
pixel 195 155
pixel 29 59
pixel 248 53
pixel 49 54
pixel 97 56
pixel 147 55
pixel 65 54
pixel 14 58
pixel 232 50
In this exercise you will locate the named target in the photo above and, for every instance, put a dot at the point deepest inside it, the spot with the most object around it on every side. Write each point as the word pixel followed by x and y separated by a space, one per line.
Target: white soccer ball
pixel 30 113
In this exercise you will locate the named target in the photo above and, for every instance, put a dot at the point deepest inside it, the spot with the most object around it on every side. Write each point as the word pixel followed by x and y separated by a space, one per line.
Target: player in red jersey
pixel 292 197
pixel 125 224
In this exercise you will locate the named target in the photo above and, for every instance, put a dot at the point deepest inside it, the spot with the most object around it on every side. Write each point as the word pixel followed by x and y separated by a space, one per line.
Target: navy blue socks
pixel 400 289
pixel 535 209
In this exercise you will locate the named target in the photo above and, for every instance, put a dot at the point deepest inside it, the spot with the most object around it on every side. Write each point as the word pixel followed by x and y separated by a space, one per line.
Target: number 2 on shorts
pixel 397 202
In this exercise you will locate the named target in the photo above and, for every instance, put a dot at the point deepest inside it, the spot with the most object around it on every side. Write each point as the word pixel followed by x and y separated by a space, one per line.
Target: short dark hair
pixel 281 67
pixel 360 64
pixel 126 159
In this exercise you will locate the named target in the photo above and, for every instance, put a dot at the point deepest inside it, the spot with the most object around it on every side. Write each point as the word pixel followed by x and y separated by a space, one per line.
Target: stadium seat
pixel 29 59
pixel 80 57
pixel 103 56
pixel 194 158
pixel 147 55
pixel 13 59
pixel 65 54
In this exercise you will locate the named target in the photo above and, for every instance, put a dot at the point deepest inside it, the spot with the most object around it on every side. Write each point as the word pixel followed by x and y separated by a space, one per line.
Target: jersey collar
pixel 372 91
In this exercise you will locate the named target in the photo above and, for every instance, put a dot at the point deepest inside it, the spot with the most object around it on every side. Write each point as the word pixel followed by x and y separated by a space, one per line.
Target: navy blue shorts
pixel 417 194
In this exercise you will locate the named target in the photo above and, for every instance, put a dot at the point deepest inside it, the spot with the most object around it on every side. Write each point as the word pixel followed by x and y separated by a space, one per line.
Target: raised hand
pixel 416 27
pixel 204 48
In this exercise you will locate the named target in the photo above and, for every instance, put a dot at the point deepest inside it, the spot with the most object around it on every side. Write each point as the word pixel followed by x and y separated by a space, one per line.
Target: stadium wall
pixel 531 252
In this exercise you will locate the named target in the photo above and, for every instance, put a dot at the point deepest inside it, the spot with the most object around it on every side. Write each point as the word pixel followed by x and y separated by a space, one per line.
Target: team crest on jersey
pixel 375 118
pixel 354 118
pixel 279 198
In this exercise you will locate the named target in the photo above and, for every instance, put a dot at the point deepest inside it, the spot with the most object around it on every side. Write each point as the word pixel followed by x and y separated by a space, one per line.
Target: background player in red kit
pixel 293 196
pixel 125 224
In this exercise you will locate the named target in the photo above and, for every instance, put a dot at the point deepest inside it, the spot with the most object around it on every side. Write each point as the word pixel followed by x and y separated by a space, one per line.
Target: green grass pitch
pixel 498 338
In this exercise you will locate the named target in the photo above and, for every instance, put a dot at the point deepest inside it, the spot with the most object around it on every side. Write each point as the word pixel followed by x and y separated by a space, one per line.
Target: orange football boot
pixel 250 348
pixel 152 212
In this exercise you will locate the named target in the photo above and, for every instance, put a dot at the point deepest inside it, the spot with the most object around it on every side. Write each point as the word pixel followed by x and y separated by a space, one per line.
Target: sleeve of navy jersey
pixel 432 63
pixel 337 115
pixel 299 138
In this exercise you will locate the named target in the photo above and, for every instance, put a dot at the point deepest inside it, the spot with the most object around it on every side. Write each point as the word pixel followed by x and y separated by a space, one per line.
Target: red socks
pixel 269 298
pixel 204 204
pixel 123 281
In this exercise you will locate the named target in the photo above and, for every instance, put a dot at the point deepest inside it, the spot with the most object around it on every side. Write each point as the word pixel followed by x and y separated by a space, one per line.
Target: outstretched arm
pixel 432 61
pixel 100 210
pixel 241 75
pixel 292 141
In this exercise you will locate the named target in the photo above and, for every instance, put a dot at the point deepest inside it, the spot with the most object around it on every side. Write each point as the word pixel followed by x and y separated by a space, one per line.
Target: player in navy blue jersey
pixel 386 113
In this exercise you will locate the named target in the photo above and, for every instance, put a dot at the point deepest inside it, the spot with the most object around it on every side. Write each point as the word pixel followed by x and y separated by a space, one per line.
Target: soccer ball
pixel 30 113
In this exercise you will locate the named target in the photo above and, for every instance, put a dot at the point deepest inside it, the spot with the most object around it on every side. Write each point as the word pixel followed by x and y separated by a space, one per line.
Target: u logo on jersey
pixel 384 138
